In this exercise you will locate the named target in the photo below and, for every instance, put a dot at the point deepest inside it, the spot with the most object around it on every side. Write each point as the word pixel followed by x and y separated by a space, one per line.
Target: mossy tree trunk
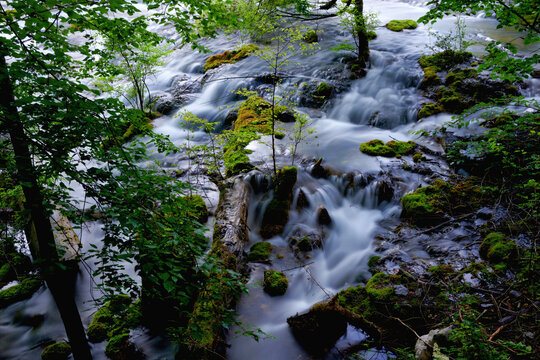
pixel 361 34
pixel 60 282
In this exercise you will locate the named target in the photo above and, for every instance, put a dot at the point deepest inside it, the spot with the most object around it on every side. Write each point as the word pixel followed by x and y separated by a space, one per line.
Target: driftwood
pixel 230 237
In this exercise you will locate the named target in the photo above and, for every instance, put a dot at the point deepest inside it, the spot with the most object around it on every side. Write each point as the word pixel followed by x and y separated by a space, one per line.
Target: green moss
pixel 374 260
pixel 454 77
pixel 120 348
pixel 443 270
pixel 5 274
pixel 284 183
pixel 304 244
pixel 399 25
pixel 377 147
pixel 418 157
pixel 197 208
pixel 97 332
pixel 275 283
pixel 25 289
pixel 451 100
pixel 57 351
pixel 379 287
pixel 260 251
pixel 229 57
pixel 371 35
pixel 275 217
pixel 392 148
pixel 310 36
pixel 323 91
pixel 444 60
pixel 496 248
pixel 429 110
pixel 402 147
pixel 430 77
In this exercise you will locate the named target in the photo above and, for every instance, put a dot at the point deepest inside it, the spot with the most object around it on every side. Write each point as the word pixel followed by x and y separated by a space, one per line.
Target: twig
pixel 496 332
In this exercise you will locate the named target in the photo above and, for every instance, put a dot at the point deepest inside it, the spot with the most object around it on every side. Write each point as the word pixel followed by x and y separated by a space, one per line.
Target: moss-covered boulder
pixel 57 351
pixel 120 348
pixel 115 317
pixel 276 214
pixel 324 91
pixel 444 60
pixel 197 208
pixel 392 148
pixel 431 78
pixel 229 57
pixel 23 290
pixel 429 110
pixel 310 36
pixel 275 283
pixel 399 25
pixel 431 204
pixel 260 251
pixel 97 332
pixel 496 248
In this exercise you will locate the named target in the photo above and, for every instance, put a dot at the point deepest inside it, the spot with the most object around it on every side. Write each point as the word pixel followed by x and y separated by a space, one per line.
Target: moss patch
pixel 429 110
pixel 57 351
pixel 431 204
pixel 496 248
pixel 197 208
pixel 444 60
pixel 399 25
pixel 229 57
pixel 275 283
pixel 260 251
pixel 24 290
pixel 120 348
pixel 392 148
pixel 276 214
pixel 115 317
pixel 97 332
pixel 323 91
pixel 310 37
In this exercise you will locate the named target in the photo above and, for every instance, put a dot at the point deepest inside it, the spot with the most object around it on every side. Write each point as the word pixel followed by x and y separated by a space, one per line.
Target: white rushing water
pixel 381 105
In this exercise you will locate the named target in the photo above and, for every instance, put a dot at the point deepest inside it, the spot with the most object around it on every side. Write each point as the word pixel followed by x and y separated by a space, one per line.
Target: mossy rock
pixel 24 290
pixel 310 37
pixel 260 251
pixel 229 57
pixel 120 348
pixel 496 248
pixel 197 208
pixel 431 78
pixel 57 351
pixel 371 35
pixel 399 25
pixel 452 101
pixel 373 261
pixel 444 60
pixel 323 91
pixel 275 218
pixel 304 244
pixel 429 110
pixel 97 332
pixel 453 77
pixel 284 183
pixel 275 283
pixel 380 287
pixel 418 157
pixel 443 270
pixel 392 148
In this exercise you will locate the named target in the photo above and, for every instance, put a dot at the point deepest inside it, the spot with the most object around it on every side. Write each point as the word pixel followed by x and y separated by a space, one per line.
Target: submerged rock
pixel 57 351
pixel 260 251
pixel 399 25
pixel 323 217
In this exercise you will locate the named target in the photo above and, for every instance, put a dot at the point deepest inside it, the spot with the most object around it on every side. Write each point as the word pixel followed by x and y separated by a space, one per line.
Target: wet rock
pixel 57 351
pixel 164 103
pixel 286 116
pixel 318 171
pixel 323 217
pixel 424 346
pixel 229 120
pixel 305 239
pixel 183 87
pixel 269 78
pixel 385 191
pixel 485 213
pixel 275 283
pixel 302 201
pixel 319 329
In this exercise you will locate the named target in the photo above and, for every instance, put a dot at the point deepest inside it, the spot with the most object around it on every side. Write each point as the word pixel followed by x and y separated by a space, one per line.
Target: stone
pixel 424 346
pixel 323 217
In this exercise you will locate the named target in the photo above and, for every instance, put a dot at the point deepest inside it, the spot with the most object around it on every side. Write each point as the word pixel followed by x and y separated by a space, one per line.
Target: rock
pixel 229 120
pixel 120 348
pixel 97 332
pixel 229 57
pixel 319 329
pixel 318 171
pixel 304 239
pixel 323 217
pixel 276 213
pixel 485 213
pixel 275 283
pixel 310 37
pixel 286 116
pixel 302 201
pixel 163 103
pixel 260 251
pixel 24 290
pixel 424 345
pixel 399 25
pixel 57 351
pixel 496 248
pixel 385 191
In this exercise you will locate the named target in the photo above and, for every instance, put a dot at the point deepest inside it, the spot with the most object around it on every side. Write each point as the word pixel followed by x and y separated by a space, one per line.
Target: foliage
pixel 301 132
pixel 520 15
pixel 451 41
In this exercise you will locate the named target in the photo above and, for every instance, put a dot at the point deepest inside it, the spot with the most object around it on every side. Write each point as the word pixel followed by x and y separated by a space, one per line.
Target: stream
pixel 382 105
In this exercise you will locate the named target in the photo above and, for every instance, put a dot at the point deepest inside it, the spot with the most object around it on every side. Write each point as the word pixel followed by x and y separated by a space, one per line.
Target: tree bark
pixel 361 34
pixel 57 280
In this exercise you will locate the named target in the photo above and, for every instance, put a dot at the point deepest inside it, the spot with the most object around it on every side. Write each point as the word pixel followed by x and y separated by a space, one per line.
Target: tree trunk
pixel 57 280
pixel 361 34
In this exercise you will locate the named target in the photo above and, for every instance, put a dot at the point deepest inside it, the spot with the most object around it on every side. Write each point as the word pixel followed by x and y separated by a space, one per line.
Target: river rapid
pixel 382 105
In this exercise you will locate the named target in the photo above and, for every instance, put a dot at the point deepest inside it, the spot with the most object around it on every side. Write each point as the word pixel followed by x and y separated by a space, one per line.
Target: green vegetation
pixel 392 148
pixel 120 348
pixel 57 351
pixel 496 248
pixel 429 110
pixel 323 91
pixel 311 36
pixel 24 290
pixel 198 209
pixel 444 60
pixel 399 25
pixel 260 251
pixel 275 283
pixel 115 317
pixel 229 57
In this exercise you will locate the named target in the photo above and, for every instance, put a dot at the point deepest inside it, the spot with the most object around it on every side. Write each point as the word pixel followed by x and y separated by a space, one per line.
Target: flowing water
pixel 381 105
